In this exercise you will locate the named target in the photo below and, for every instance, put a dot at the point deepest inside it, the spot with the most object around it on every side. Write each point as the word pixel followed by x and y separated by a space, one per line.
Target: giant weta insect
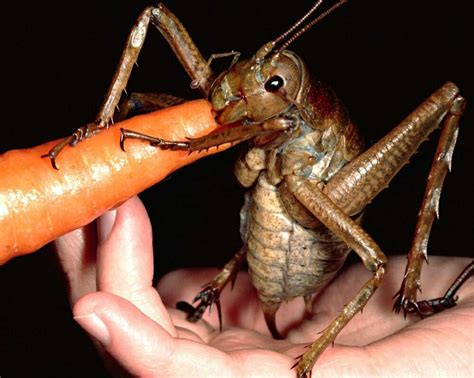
pixel 310 176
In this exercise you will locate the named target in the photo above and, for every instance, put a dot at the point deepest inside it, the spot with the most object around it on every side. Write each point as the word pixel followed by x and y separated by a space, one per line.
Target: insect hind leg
pixel 363 178
pixel 406 297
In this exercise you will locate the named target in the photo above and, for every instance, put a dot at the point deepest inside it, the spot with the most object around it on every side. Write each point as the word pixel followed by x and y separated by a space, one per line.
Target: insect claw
pixel 185 307
pixel 397 293
pixel 297 358
pixel 122 139
pixel 52 159
pixel 417 308
pixel 53 163
pixel 206 285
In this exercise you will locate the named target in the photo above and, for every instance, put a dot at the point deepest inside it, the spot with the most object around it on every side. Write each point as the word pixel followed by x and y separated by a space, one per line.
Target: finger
pixel 76 253
pixel 125 260
pixel 139 344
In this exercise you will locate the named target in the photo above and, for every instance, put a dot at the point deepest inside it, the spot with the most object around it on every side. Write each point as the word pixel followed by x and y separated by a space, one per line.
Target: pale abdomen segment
pixel 285 259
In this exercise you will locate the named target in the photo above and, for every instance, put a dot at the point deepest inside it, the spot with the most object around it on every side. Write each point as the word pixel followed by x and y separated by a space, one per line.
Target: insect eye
pixel 274 83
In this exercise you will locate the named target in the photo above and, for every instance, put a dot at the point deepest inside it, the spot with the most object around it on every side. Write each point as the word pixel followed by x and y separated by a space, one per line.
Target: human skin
pixel 110 269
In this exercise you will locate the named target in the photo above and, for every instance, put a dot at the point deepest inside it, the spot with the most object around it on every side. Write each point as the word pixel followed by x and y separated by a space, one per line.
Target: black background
pixel 382 58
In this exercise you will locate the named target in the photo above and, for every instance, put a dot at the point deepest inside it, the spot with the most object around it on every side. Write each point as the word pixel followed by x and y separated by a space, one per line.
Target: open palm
pixel 139 328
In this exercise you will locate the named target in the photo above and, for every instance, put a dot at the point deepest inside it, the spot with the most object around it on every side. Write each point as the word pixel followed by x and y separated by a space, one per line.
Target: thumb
pixel 139 344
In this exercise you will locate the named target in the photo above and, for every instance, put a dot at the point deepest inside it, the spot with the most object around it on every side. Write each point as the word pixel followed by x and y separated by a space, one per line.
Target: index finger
pixel 125 261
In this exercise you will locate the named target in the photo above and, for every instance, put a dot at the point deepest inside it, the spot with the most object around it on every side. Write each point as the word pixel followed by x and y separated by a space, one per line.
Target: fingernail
pixel 94 326
pixel 105 224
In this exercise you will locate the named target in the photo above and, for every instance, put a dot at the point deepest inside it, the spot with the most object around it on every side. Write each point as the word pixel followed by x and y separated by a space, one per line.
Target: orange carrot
pixel 38 203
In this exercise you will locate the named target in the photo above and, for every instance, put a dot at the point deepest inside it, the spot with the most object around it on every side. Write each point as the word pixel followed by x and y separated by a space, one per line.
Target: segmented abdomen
pixel 285 259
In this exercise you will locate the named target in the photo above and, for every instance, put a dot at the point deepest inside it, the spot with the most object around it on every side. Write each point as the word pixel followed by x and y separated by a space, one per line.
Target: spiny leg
pixel 432 306
pixel 306 361
pixel 219 137
pixel 359 182
pixel 232 133
pixel 354 186
pixel 313 198
pixel 80 134
pixel 212 291
pixel 406 298
pixel 181 43
pixel 196 83
pixel 128 59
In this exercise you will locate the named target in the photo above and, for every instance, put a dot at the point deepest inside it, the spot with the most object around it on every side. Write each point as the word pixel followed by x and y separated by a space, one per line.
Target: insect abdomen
pixel 285 259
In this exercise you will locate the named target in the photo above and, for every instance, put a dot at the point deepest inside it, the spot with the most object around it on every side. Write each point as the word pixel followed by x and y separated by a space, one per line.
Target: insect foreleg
pixel 234 133
pixel 182 45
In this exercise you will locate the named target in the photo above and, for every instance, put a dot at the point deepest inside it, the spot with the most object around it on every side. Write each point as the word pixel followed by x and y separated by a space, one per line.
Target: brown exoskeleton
pixel 310 176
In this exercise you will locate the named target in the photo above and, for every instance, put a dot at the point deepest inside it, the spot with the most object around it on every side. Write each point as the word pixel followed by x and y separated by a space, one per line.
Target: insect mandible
pixel 310 175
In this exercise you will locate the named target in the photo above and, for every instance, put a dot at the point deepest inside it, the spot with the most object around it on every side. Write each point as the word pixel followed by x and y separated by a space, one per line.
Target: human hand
pixel 113 299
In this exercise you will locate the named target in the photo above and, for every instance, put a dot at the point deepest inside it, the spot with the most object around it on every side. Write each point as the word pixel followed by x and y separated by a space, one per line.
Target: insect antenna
pixel 305 28
pixel 298 23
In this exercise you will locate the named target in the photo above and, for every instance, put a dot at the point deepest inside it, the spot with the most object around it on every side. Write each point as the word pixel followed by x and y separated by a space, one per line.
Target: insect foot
pixel 406 296
pixel 207 297
pixel 304 368
pixel 80 134
pixel 422 308
pixel 155 142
